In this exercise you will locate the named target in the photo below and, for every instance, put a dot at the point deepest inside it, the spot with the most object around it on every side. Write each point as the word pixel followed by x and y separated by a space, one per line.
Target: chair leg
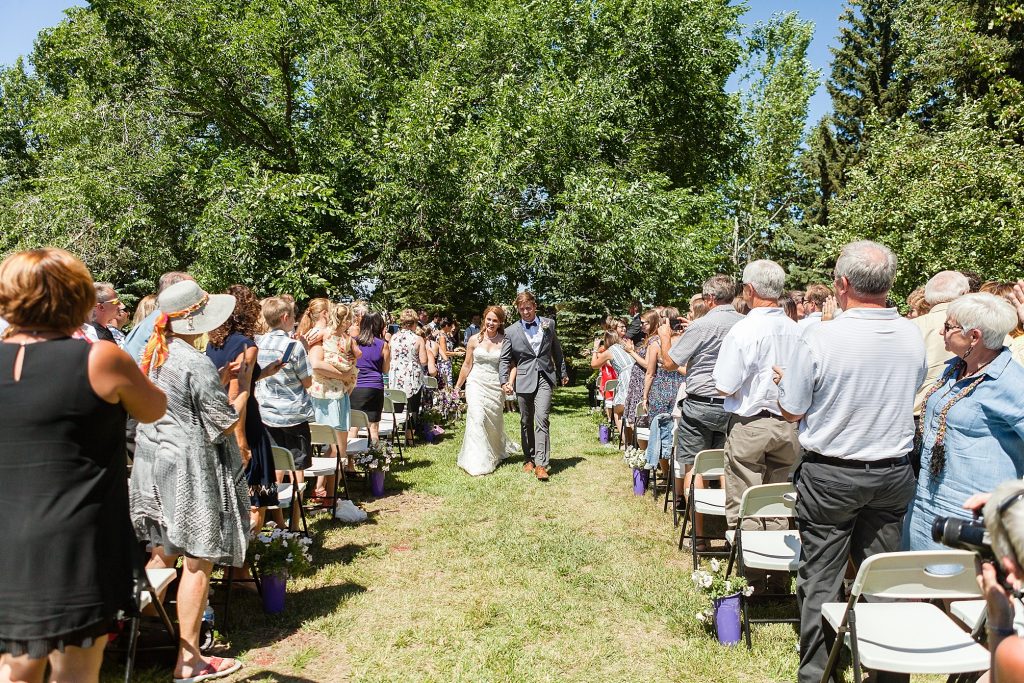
pixel 228 580
pixel 854 650
pixel 682 530
pixel 746 619
pixel 133 639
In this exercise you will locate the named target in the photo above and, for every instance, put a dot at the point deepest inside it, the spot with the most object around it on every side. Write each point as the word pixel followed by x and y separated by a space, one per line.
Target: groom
pixel 532 347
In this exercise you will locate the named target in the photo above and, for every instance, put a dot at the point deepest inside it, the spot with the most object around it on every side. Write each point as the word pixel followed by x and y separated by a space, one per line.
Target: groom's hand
pixel 507 388
pixel 565 381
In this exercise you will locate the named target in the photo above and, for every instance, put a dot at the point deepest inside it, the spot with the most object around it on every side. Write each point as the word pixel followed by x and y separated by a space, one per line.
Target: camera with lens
pixel 968 534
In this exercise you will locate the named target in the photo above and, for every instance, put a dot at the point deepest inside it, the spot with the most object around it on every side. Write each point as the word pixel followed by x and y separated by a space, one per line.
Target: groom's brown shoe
pixel 528 466
pixel 542 473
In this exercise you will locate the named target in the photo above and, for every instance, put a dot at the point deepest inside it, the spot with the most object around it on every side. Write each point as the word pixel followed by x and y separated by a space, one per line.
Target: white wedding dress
pixel 483 445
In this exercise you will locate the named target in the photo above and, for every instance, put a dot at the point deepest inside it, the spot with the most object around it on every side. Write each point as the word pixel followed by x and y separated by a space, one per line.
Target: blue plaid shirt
pixel 284 402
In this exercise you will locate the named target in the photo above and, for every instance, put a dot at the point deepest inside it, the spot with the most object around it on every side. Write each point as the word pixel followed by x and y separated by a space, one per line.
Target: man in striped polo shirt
pixel 851 384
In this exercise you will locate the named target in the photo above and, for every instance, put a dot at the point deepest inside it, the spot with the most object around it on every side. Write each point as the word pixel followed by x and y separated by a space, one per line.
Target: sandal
pixel 215 668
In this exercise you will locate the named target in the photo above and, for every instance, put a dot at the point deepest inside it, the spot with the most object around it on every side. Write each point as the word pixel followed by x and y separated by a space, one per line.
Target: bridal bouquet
pixel 447 402
pixel 280 553
pixel 377 456
pixel 715 585
pixel 635 458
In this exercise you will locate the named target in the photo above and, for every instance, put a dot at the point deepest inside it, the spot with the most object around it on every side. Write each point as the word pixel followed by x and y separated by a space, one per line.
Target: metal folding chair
pixel 907 637
pixel 766 549
pixel 148 586
pixel 709 464
pixel 289 495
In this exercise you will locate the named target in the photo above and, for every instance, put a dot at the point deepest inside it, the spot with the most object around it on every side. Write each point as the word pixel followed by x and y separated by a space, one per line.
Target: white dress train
pixel 483 445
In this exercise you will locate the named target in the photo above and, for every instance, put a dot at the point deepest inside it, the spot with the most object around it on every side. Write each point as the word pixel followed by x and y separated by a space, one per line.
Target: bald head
pixel 946 286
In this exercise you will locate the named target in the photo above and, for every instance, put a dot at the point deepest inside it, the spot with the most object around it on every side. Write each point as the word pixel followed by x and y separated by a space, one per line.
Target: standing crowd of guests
pixel 191 400
pixel 881 421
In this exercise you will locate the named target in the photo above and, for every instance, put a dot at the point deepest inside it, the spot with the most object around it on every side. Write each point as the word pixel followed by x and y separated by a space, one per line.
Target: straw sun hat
pixel 190 310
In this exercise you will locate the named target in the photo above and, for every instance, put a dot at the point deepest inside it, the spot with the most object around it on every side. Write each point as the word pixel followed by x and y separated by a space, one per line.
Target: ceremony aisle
pixel 499 578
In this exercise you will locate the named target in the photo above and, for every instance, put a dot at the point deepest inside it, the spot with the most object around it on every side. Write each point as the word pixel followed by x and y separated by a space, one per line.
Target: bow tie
pixel 530 324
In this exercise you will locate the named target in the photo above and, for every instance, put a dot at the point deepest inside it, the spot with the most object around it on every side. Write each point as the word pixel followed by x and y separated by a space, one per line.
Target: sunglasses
pixel 113 302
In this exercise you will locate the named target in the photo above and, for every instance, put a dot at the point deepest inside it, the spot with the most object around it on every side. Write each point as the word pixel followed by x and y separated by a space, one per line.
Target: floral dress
pixel 406 371
pixel 664 388
pixel 444 367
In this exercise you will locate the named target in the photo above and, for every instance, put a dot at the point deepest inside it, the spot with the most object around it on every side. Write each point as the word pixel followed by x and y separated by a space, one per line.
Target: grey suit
pixel 538 373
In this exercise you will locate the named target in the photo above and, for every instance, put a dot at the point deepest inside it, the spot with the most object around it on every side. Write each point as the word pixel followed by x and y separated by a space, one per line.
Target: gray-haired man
pixel 852 381
pixel 704 422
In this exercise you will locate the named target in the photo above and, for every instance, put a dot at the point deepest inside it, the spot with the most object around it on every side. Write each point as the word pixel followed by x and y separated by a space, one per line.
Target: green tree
pixel 766 193
pixel 952 199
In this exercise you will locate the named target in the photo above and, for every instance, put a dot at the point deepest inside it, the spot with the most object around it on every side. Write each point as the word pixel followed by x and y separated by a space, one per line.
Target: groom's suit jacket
pixel 517 351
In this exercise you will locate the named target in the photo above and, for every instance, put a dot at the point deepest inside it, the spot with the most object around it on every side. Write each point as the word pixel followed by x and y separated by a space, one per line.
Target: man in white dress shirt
pixel 762 447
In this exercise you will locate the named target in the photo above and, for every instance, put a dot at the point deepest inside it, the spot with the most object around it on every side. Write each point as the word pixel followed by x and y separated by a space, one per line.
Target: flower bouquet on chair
pixel 278 554
pixel 637 459
pixel 376 460
pixel 724 613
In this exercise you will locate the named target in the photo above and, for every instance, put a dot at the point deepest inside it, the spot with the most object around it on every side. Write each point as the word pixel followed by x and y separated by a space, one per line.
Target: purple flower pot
pixel 640 479
pixel 377 483
pixel 604 433
pixel 273 590
pixel 727 619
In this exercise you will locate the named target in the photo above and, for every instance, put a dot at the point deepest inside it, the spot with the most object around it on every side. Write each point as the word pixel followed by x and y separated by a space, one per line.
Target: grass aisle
pixel 501 578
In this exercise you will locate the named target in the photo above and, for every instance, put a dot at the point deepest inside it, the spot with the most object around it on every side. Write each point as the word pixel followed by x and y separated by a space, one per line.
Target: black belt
pixel 705 399
pixel 768 413
pixel 811 456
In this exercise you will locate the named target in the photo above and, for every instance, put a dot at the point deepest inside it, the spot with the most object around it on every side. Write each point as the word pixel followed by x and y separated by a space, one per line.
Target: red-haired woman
pixel 69 548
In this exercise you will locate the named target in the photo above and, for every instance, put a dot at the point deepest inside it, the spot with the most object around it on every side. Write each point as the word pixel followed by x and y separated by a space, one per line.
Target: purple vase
pixel 727 619
pixel 377 483
pixel 604 433
pixel 640 478
pixel 273 589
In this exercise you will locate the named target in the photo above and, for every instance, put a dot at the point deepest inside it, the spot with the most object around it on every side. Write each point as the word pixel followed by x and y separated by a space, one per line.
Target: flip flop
pixel 217 667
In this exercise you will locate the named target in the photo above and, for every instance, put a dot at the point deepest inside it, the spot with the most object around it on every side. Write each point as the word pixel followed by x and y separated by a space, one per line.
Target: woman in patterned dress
pixel 189 496
pixel 408 357
pixel 660 385
pixel 637 375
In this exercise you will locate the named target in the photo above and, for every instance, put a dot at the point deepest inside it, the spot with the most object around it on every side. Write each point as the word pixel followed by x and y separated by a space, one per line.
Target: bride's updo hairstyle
pixel 499 313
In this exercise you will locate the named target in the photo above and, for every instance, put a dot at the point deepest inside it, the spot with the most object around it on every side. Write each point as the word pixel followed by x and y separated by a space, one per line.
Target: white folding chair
pixel 708 464
pixel 289 495
pixel 973 615
pixel 326 437
pixel 392 423
pixel 429 382
pixel 772 550
pixel 907 637
pixel 148 590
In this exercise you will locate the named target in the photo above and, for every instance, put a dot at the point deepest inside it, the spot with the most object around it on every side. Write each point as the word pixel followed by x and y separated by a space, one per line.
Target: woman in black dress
pixel 67 571
pixel 229 343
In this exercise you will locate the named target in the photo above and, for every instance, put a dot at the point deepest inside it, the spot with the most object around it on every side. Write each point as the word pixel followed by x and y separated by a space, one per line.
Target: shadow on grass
pixel 561 464
pixel 260 629
pixel 566 402
pixel 343 555
pixel 274 677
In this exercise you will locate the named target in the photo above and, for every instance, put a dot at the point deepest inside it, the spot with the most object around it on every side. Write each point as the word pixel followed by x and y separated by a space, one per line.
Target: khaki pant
pixel 759 450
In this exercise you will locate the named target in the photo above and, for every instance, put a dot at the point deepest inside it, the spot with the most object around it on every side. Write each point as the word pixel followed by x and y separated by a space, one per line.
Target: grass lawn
pixel 498 578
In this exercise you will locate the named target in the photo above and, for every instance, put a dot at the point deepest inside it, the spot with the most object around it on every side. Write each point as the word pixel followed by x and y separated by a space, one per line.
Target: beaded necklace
pixel 938 461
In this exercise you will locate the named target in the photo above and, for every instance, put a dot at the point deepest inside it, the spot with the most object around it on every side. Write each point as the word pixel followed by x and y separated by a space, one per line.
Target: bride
pixel 483 445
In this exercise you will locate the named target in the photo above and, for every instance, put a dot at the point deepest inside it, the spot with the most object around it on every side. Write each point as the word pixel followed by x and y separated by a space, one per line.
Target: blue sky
pixel 21 20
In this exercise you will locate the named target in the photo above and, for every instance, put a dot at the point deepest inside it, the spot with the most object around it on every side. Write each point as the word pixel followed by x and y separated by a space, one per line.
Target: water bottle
pixel 206 629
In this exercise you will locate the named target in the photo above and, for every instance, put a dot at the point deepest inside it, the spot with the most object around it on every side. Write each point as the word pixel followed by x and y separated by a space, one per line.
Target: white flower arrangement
pixel 635 458
pixel 716 585
pixel 277 552
pixel 377 456
pixel 545 325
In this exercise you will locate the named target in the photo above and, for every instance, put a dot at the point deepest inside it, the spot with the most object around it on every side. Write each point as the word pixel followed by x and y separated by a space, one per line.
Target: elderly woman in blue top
pixel 972 429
